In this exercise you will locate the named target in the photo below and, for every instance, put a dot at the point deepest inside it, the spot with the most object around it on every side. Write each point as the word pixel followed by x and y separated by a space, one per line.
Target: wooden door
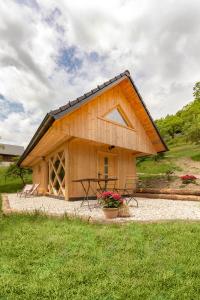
pixel 107 165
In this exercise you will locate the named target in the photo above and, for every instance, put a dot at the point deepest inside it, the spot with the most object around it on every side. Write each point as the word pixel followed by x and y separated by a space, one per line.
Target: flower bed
pixel 188 179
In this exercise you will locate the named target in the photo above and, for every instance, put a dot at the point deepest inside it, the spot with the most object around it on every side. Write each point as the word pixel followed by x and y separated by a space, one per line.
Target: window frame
pixel 120 110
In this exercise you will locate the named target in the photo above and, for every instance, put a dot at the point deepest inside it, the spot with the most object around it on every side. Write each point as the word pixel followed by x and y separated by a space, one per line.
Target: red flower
pixel 188 177
pixel 110 199
pixel 116 196
pixel 106 194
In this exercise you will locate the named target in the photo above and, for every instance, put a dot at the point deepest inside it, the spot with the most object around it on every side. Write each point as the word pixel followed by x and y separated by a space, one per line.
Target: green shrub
pixel 196 157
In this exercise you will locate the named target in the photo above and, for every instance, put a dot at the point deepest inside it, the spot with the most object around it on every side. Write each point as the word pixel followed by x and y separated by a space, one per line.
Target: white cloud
pixel 158 41
pixel 16 127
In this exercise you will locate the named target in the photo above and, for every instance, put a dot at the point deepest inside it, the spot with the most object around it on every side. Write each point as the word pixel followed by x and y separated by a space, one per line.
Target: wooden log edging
pixel 168 196
pixel 6 209
pixel 168 191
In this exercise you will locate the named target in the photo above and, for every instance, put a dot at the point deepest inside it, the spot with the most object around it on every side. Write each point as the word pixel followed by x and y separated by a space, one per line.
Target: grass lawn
pixel 187 150
pixel 44 258
pixel 170 161
pixel 156 167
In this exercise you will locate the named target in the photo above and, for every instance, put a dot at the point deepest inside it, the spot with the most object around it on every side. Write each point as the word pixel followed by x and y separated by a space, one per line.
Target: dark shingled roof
pixel 7 149
pixel 63 109
pixel 71 105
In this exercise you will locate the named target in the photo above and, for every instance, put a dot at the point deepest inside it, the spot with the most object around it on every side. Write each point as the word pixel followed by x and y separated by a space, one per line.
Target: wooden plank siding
pixel 84 163
pixel 141 115
pixel 87 123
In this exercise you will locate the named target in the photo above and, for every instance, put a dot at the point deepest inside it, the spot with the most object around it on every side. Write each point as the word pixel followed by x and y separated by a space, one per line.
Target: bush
pixel 196 157
pixel 156 157
pixel 188 179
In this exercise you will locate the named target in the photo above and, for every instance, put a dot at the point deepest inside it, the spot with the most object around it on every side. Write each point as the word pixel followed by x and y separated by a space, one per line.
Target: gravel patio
pixel 148 210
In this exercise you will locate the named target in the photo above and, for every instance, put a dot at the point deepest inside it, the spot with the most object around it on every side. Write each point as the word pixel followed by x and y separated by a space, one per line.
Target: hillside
pixel 166 171
pixel 181 132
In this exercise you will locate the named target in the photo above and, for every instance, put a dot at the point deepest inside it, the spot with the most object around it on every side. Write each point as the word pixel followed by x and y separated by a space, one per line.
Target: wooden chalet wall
pixel 82 163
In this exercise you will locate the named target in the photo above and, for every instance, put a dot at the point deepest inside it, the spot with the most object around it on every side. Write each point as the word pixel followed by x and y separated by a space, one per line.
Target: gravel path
pixel 148 210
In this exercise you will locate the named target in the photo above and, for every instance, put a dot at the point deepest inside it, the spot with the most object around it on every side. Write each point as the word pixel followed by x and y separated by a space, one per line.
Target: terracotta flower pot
pixel 110 213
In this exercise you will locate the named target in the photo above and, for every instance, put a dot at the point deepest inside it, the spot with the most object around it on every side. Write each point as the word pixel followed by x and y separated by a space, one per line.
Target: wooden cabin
pixel 8 153
pixel 99 134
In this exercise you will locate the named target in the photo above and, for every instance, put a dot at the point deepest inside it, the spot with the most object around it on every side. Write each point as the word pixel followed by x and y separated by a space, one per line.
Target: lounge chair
pixel 34 190
pixel 27 188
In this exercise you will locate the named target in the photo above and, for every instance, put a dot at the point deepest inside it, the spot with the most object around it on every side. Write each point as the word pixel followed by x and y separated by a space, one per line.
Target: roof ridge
pixel 85 95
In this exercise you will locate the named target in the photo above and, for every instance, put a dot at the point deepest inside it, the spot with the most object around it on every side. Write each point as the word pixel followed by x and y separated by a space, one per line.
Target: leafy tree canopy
pixel 185 123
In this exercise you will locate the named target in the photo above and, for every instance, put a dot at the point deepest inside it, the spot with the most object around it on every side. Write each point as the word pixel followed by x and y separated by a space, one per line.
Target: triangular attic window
pixel 116 116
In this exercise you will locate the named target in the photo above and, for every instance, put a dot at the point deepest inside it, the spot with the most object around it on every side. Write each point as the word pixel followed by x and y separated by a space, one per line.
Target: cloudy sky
pixel 52 51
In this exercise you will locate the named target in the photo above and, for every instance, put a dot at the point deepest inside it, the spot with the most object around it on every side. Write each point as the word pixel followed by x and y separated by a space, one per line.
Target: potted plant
pixel 188 179
pixel 110 203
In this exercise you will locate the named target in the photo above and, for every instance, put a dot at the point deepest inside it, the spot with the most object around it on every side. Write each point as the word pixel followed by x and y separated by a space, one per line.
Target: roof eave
pixel 149 115
pixel 42 129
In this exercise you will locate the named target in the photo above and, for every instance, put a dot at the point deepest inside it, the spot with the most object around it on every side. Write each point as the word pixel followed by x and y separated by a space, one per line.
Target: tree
pixel 196 91
pixel 15 171
pixel 193 131
pixel 170 125
pixel 186 122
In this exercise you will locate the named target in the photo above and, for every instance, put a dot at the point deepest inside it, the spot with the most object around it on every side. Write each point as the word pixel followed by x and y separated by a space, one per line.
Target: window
pixel 106 167
pixel 116 116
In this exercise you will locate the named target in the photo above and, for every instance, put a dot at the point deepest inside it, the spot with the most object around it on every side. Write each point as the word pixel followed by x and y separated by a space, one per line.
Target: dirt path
pixel 188 166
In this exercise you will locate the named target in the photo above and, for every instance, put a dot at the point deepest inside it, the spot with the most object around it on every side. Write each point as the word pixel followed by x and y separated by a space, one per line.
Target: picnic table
pixel 87 187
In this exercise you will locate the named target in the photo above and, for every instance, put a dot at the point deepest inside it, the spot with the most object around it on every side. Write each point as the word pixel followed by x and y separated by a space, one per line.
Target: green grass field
pixel 43 258
pixel 159 167
pixel 187 150
pixel 46 258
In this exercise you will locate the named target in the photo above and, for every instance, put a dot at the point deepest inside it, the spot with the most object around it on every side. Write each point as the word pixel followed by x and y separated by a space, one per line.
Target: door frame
pixel 99 152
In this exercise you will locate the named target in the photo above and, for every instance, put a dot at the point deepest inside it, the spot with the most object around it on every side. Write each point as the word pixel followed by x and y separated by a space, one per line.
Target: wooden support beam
pixel 44 183
pixel 66 154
